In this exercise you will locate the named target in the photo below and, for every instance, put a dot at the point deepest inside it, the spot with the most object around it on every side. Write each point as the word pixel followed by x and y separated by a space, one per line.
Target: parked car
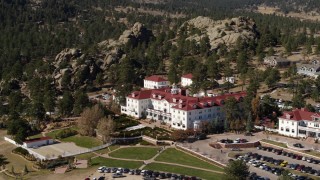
pixel 117 175
pixel 300 167
pixel 235 149
pixel 126 170
pixel 309 160
pixel 284 163
pixel 137 172
pixel 306 169
pixel 294 166
pixel 101 169
pixel 298 145
pixel 299 157
pixel 267 168
pixel 107 170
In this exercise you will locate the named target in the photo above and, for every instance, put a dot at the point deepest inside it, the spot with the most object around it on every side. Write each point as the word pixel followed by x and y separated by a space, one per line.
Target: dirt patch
pixel 149 11
pixel 312 15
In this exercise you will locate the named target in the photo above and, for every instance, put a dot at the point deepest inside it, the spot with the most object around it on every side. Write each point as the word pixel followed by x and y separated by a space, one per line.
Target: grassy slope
pixel 175 156
pixel 185 171
pixel 139 153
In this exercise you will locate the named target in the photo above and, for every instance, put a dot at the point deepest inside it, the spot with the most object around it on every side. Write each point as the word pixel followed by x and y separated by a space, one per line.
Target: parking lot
pixel 103 173
pixel 265 162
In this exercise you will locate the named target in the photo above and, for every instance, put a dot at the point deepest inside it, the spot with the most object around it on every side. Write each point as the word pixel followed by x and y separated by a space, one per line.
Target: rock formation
pixel 223 31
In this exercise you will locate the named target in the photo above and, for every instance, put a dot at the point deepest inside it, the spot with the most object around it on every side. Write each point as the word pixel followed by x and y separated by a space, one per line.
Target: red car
pixel 300 167
pixel 299 157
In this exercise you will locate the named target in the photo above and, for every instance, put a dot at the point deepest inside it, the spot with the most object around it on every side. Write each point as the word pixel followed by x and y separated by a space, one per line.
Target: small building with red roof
pixel 300 123
pixel 37 142
pixel 186 80
pixel 174 107
pixel 155 82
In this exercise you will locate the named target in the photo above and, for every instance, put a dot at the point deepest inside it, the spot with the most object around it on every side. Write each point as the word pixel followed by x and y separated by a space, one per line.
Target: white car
pixel 252 161
pixel 101 169
pixel 262 166
pixel 119 171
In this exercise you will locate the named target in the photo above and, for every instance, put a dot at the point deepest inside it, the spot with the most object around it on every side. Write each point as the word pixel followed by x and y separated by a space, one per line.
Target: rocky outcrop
pixel 72 61
pixel 223 31
pixel 138 33
pixel 113 53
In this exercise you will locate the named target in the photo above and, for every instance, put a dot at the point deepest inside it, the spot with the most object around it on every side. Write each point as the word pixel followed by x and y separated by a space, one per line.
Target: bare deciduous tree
pixel 89 119
pixel 105 128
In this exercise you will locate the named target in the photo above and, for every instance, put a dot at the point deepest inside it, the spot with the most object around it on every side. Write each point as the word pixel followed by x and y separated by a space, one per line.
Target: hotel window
pixel 292 130
pixel 281 128
pixel 316 125
pixel 292 123
pixel 189 113
pixel 282 121
pixel 287 130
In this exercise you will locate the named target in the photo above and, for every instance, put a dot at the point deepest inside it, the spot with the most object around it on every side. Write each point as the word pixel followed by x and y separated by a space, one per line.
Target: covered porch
pixel 158 115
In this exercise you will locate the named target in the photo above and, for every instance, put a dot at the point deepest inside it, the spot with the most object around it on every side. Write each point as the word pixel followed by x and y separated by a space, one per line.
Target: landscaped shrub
pixel 123 122
pixel 24 153
pixel 51 164
pixel 156 133
pixel 66 133
pixel 21 151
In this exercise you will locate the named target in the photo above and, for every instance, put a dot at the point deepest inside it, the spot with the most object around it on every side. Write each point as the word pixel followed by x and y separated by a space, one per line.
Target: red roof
pixel 155 78
pixel 38 139
pixel 182 101
pixel 299 115
pixel 188 76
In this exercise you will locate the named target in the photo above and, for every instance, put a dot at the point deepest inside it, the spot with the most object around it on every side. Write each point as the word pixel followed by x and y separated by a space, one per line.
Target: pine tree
pixel 249 124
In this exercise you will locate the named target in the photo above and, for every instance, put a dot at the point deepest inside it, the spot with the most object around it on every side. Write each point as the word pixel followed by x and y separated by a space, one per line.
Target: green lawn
pixel 35 136
pixel 139 153
pixel 85 156
pixel 100 161
pixel 175 156
pixel 184 171
pixel 83 141
pixel 106 150
pixel 275 143
pixel 313 153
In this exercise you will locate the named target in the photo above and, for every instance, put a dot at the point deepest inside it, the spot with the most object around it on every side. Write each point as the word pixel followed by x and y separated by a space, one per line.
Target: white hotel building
pixel 186 80
pixel 155 82
pixel 174 107
pixel 300 123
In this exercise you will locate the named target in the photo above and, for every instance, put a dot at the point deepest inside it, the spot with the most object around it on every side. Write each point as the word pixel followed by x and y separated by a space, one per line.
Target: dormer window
pixel 194 106
pixel 288 116
pixel 180 105
pixel 159 96
pixel 154 95
pixel 180 100
pixel 174 99
pixel 133 95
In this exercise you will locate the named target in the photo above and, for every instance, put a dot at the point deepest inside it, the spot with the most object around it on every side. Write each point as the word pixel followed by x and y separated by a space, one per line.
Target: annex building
pixel 300 123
